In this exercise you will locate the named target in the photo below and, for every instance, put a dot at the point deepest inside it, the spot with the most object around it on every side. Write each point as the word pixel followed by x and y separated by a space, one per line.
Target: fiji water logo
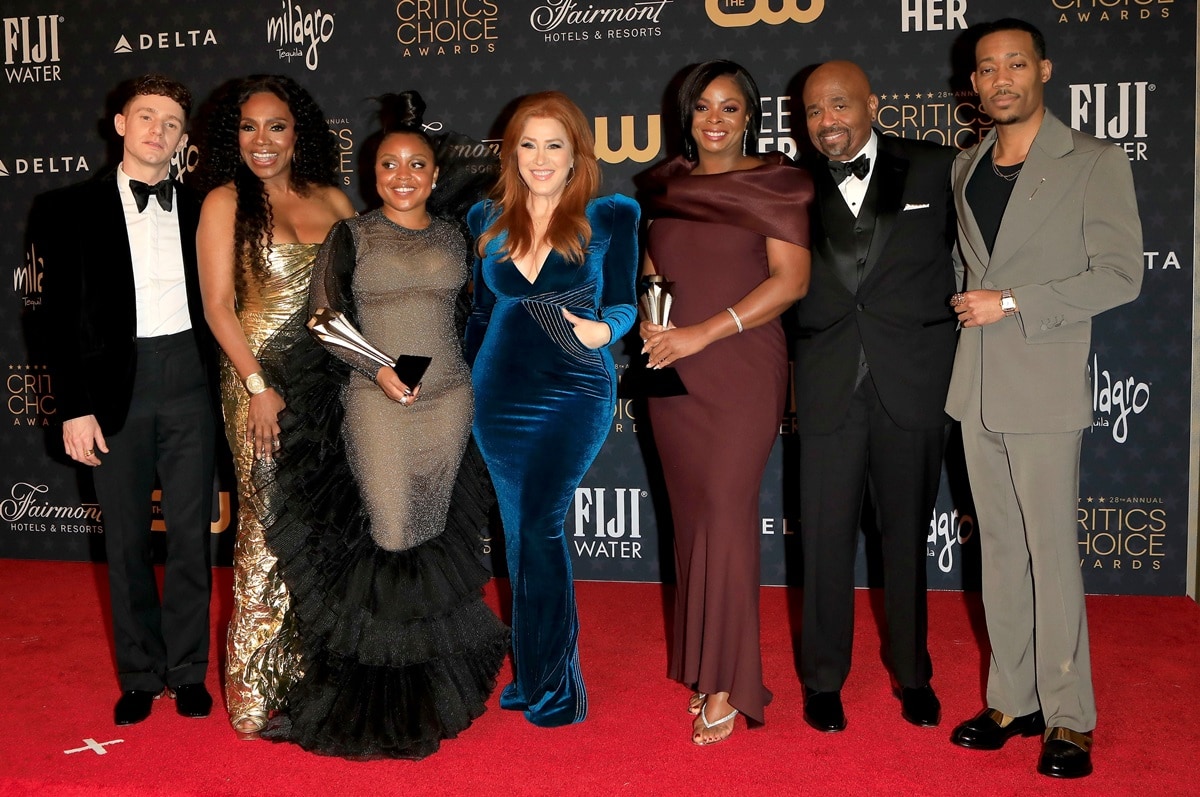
pixel 1115 399
pixel 297 34
pixel 608 522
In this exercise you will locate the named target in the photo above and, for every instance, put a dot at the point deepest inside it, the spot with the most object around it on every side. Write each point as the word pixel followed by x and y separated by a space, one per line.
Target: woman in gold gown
pixel 271 163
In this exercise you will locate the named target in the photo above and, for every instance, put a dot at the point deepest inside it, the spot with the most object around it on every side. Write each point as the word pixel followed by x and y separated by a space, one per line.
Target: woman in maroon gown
pixel 730 229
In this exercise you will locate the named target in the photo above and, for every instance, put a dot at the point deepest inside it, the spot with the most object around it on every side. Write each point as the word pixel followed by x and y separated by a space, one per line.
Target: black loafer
pixel 823 711
pixel 134 706
pixel 1066 754
pixel 193 700
pixel 920 706
pixel 984 732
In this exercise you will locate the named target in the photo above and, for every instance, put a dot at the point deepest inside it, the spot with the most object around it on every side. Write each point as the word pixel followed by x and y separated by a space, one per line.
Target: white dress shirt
pixel 156 250
pixel 853 189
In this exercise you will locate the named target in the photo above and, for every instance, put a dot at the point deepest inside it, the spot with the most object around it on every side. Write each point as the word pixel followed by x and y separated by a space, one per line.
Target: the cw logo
pixel 754 11
pixel 628 150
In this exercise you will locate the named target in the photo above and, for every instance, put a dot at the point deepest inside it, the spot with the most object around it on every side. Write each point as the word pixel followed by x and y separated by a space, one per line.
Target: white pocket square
pixel 911 206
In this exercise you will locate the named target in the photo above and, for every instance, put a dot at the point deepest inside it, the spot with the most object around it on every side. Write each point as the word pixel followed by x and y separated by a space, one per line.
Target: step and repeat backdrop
pixel 1124 71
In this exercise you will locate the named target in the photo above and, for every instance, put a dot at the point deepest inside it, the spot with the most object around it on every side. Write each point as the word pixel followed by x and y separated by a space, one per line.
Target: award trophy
pixel 655 302
pixel 329 326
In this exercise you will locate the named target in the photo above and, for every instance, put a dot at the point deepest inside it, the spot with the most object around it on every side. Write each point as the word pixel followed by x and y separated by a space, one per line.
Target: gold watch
pixel 255 383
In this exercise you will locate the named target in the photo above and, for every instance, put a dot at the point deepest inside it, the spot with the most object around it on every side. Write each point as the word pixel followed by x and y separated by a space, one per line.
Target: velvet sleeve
pixel 618 301
pixel 482 298
pixel 62 294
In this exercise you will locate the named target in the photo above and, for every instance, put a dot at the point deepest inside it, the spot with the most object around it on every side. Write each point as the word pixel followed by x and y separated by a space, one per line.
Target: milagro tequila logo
pixel 297 33
pixel 26 510
pixel 948 530
pixel 608 522
pixel 27 279
pixel 1114 400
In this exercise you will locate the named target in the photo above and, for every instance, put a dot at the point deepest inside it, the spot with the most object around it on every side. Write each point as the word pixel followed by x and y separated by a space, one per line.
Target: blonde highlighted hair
pixel 568 231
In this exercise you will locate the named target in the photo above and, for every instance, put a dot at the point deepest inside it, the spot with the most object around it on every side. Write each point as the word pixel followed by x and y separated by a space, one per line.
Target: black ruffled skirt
pixel 399 651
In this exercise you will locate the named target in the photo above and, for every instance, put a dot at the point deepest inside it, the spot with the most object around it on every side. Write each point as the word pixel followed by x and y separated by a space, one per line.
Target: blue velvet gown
pixel 543 407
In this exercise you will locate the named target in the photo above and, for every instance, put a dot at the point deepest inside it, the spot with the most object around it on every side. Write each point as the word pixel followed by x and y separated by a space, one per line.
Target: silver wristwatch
pixel 1007 303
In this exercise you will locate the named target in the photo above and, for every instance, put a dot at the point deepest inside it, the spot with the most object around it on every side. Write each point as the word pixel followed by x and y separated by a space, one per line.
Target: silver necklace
pixel 1002 175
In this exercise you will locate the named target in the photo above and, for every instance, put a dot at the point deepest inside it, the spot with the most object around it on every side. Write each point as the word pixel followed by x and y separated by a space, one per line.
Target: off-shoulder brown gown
pixel 709 237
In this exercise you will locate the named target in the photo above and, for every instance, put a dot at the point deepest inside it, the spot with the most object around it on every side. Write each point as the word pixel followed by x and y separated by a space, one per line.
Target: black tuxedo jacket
pixel 900 315
pixel 88 294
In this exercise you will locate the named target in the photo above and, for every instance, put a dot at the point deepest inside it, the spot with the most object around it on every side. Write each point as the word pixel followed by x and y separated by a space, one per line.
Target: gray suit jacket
pixel 1069 247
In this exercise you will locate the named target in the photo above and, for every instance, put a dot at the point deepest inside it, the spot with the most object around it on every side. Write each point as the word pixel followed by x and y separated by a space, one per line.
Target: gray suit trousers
pixel 1026 490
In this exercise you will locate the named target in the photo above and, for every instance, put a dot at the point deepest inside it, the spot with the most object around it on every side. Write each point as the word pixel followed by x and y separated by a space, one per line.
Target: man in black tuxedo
pixel 873 354
pixel 131 358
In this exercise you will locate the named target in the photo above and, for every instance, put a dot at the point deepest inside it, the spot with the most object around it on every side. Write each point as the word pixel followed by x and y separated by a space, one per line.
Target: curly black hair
pixel 314 162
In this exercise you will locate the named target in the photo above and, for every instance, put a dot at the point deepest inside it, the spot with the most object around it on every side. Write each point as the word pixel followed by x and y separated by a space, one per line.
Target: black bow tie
pixel 859 167
pixel 142 192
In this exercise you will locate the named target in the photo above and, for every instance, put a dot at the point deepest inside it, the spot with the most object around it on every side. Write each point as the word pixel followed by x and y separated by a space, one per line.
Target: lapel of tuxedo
pixel 972 237
pixel 115 259
pixel 830 204
pixel 891 172
pixel 1039 188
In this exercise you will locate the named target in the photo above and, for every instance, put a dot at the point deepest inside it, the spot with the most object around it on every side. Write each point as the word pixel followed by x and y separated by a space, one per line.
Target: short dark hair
pixel 1012 23
pixel 157 86
pixel 694 85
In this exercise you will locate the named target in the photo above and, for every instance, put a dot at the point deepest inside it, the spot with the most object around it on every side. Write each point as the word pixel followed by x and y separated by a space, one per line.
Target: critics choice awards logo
pixel 1122 532
pixel 446 27
pixel 296 33
pixel 1085 11
pixel 740 13
pixel 941 116
pixel 31 53
pixel 30 395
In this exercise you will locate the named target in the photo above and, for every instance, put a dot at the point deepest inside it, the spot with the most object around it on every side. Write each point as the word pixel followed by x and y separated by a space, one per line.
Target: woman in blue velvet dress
pixel 554 286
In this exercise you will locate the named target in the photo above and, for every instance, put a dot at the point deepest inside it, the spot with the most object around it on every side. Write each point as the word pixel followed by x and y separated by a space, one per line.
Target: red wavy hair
pixel 568 231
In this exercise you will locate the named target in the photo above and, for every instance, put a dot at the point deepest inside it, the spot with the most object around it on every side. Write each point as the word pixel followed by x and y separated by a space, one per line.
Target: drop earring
pixel 745 135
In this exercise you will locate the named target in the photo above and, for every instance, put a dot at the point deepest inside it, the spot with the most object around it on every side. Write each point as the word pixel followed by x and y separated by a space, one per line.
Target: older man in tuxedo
pixel 1049 234
pixel 873 355
pixel 131 359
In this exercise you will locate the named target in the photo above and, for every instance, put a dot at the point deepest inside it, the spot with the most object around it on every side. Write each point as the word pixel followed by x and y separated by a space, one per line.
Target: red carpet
pixel 59 689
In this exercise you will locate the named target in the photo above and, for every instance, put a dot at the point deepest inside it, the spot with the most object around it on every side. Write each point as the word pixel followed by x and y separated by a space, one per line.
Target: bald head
pixel 839 109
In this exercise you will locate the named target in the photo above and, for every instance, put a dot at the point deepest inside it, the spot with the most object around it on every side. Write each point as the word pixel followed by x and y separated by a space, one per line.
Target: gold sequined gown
pixel 263 658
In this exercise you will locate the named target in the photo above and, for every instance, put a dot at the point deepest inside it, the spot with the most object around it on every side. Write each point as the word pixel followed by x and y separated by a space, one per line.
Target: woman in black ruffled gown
pixel 377 531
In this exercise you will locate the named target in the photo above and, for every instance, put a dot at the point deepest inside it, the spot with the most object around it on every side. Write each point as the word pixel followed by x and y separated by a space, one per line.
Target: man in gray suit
pixel 1049 236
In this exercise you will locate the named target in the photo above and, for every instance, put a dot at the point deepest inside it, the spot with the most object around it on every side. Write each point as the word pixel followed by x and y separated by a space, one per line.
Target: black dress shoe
pixel 823 711
pixel 920 706
pixel 192 700
pixel 134 706
pixel 1066 754
pixel 984 732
